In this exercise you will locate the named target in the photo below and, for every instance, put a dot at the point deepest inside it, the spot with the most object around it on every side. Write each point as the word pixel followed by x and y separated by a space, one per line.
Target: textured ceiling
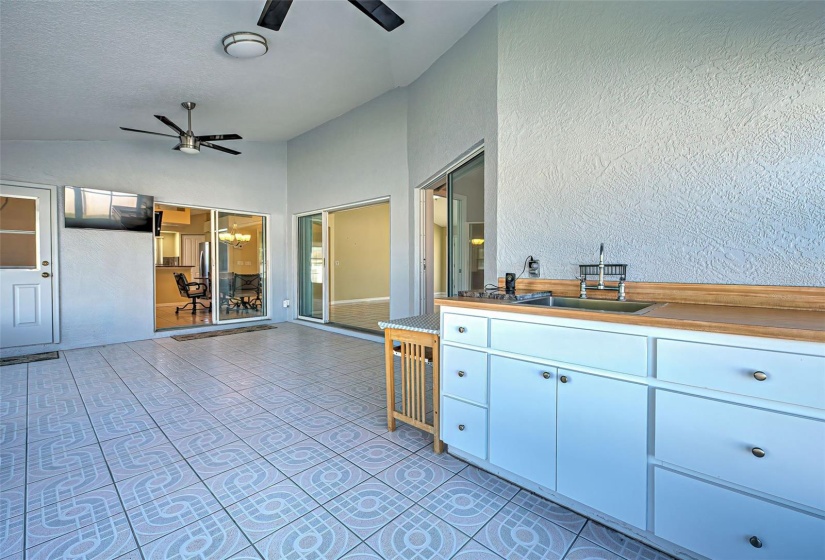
pixel 77 70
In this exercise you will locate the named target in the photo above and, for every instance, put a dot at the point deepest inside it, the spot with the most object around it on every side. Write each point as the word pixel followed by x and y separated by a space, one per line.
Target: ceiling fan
pixel 189 143
pixel 275 11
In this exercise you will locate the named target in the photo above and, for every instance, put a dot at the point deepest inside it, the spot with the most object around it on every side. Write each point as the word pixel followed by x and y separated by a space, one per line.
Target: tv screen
pixel 98 209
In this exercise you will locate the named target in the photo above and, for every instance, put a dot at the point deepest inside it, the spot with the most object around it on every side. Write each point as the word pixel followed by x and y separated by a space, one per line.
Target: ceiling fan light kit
pixel 245 44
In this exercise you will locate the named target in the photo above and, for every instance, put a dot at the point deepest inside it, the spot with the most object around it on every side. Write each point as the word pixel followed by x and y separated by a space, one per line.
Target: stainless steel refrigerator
pixel 204 262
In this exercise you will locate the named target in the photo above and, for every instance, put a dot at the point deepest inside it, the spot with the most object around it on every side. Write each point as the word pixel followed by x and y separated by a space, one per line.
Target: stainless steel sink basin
pixel 611 306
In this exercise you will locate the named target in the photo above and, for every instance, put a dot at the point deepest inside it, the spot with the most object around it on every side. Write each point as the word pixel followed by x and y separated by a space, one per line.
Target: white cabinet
pixel 523 419
pixel 602 444
pixel 464 426
pixel 464 374
pixel 722 523
pixel 465 329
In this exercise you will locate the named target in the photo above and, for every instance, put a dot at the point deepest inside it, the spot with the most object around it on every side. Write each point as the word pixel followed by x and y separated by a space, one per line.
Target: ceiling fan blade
pixel 273 14
pixel 147 132
pixel 220 148
pixel 170 124
pixel 379 12
pixel 213 137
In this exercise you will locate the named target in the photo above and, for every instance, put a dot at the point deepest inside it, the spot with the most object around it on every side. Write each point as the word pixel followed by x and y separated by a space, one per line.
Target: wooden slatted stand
pixel 418 339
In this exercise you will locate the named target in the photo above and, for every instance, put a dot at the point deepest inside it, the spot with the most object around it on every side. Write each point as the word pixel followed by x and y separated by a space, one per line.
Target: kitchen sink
pixel 611 306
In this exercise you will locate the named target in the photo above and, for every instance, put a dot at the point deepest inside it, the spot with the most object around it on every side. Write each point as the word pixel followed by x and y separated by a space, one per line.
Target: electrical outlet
pixel 286 303
pixel 533 268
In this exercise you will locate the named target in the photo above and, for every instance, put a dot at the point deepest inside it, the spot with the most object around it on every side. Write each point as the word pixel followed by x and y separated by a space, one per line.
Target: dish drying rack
pixel 601 270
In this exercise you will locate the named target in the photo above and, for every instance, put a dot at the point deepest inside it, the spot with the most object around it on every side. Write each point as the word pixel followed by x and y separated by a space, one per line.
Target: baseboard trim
pixel 364 300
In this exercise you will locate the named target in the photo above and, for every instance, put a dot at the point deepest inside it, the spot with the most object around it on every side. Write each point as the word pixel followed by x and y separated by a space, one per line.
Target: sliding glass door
pixel 312 267
pixel 465 224
pixel 241 266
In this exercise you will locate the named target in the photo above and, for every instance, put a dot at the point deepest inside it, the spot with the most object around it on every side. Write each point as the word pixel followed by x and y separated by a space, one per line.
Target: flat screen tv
pixel 98 209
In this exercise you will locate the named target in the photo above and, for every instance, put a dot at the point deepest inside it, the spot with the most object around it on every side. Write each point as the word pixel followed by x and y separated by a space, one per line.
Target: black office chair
pixel 194 291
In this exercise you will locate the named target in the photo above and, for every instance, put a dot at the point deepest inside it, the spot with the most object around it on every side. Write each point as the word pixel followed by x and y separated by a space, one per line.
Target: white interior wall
pixel 359 156
pixel 687 136
pixel 106 277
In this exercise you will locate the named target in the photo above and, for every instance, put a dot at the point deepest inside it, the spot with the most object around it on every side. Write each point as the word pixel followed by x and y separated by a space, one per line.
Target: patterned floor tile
pixel 297 410
pixel 170 415
pixel 168 513
pixel 249 553
pixel 376 455
pixel 489 481
pixel 557 514
pixel 12 466
pixel 222 459
pixel 517 532
pixel 12 502
pixel 417 534
pixel 317 423
pixel 474 551
pixel 345 437
pixel 583 549
pixel 184 427
pixel 156 402
pixel 300 456
pixel 133 442
pixel 103 540
pixel 54 427
pixel 57 488
pixel 409 437
pixel 239 483
pixel 445 460
pixel 331 399
pixel 354 409
pixel 415 477
pixel 156 483
pixel 275 438
pixel 205 441
pixel 116 426
pixel 362 552
pixel 263 513
pixel 212 537
pixel 254 425
pixel 315 535
pixel 238 412
pixel 330 479
pixel 128 464
pixel 620 544
pixel 213 404
pixel 72 514
pixel 368 507
pixel 43 465
pixel 463 504
pixel 11 536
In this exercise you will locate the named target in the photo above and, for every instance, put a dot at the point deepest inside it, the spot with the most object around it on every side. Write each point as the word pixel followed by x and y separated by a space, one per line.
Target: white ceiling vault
pixel 77 70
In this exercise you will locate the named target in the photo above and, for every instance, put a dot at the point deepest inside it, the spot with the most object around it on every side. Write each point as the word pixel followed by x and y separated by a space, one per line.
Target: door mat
pixel 210 334
pixel 28 358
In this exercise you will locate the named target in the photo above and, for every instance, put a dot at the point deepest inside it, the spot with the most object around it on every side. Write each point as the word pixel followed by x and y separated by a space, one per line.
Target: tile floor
pixel 270 444
pixel 363 315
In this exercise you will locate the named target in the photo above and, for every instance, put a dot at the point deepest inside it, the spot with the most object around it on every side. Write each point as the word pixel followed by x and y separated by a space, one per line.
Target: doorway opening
pixel 344 266
pixel 452 232
pixel 210 266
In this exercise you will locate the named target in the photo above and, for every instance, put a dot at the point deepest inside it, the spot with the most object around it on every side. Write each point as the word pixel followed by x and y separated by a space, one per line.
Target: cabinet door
pixel 602 444
pixel 523 419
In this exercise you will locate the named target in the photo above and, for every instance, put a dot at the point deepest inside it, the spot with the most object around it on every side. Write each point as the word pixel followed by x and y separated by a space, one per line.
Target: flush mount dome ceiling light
pixel 245 44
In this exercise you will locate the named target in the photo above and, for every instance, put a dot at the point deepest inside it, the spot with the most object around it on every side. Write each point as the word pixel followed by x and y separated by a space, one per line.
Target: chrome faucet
pixel 612 270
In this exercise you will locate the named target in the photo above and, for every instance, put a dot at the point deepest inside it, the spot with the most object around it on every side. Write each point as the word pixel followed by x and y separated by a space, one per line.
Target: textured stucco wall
pixel 106 277
pixel 689 137
pixel 361 155
pixel 452 108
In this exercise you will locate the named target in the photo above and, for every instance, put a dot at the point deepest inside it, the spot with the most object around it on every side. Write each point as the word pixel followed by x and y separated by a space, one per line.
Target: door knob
pixel 758 452
pixel 546 375
pixel 760 375
pixel 563 379
pixel 45 275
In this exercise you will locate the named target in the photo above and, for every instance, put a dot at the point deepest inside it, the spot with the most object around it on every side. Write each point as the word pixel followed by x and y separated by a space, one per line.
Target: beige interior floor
pixel 361 315
pixel 165 317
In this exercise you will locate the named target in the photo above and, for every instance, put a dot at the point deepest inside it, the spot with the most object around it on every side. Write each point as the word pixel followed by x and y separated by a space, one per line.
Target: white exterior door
pixel 26 266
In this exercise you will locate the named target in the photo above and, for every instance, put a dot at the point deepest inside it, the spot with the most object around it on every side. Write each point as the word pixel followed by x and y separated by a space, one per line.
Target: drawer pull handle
pixel 755 542
pixel 760 375
pixel 563 379
pixel 546 375
pixel 758 452
pixel 461 374
pixel 462 330
pixel 461 427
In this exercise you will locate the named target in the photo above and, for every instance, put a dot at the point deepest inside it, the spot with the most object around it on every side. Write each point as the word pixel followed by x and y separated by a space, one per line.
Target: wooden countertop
pixel 790 324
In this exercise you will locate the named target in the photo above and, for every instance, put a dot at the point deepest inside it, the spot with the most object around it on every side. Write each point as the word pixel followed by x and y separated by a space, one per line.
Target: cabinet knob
pixel 758 452
pixel 461 374
pixel 45 275
pixel 563 379
pixel 461 427
pixel 546 375
pixel 45 263
pixel 462 330
pixel 755 542
pixel 760 375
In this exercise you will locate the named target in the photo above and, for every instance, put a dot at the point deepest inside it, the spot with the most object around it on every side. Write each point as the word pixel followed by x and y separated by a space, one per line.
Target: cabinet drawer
pixel 719 523
pixel 718 439
pixel 465 329
pixel 624 353
pixel 464 374
pixel 792 378
pixel 464 426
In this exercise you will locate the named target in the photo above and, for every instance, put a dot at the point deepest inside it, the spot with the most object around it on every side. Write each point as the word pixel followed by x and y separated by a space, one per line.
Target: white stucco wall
pixel 360 156
pixel 106 277
pixel 689 137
